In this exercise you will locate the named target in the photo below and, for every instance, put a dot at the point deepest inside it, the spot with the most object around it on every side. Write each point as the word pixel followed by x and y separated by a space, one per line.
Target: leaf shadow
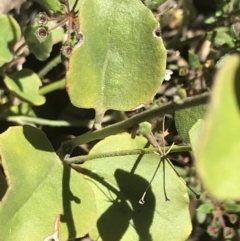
pixel 37 139
pixel 132 186
pixel 125 209
pixel 67 198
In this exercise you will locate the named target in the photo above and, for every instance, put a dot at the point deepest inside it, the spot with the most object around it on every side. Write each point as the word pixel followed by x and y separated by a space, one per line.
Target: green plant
pixel 117 63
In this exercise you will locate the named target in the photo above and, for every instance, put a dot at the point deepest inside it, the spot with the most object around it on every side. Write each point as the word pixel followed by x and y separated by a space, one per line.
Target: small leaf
pixel 201 217
pixel 10 34
pixel 25 84
pixel 232 207
pixel 205 208
pixel 121 62
pixel 118 184
pixel 43 196
pixel 156 3
pixel 41 49
pixel 217 155
pixel 220 37
pixel 235 30
pixel 193 60
pixel 54 5
pixel 185 119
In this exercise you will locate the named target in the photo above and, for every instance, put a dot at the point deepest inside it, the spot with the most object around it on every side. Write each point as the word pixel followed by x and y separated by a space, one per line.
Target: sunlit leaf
pixel 195 133
pixel 43 196
pixel 118 184
pixel 10 34
pixel 121 62
pixel 25 85
pixel 217 155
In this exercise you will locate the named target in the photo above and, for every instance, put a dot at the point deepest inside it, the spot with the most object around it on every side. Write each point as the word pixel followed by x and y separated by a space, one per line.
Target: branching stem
pixel 68 146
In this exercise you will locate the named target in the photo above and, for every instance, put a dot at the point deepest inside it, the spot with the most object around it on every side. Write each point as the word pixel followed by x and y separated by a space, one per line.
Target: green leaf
pixel 118 184
pixel 220 37
pixel 41 50
pixel 10 34
pixel 193 60
pixel 185 119
pixel 217 155
pixel 203 210
pixel 156 3
pixel 222 60
pixel 195 133
pixel 43 196
pixel 120 63
pixel 232 207
pixel 53 5
pixel 25 85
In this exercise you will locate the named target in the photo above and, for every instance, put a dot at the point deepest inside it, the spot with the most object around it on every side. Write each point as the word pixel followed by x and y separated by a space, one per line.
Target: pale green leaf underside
pixel 120 63
pixel 10 34
pixel 25 85
pixel 41 190
pixel 195 134
pixel 218 151
pixel 185 119
pixel 117 192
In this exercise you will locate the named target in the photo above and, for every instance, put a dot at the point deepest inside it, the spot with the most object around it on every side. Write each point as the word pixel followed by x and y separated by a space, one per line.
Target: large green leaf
pixel 10 34
pixel 118 184
pixel 25 84
pixel 121 62
pixel 217 155
pixel 43 195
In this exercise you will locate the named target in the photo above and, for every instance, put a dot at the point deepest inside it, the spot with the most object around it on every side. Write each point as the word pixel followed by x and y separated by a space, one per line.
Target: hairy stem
pixel 68 146
pixel 81 159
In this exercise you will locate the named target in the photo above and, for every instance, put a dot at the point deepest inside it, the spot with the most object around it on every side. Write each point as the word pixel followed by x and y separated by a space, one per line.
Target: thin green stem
pixel 45 122
pixel 54 62
pixel 60 84
pixel 68 146
pixel 81 159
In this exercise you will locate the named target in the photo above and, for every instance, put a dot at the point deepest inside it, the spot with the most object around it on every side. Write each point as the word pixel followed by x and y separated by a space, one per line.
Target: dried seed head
pixel 213 230
pixel 41 33
pixel 233 218
pixel 228 233
pixel 67 50
pixel 42 18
